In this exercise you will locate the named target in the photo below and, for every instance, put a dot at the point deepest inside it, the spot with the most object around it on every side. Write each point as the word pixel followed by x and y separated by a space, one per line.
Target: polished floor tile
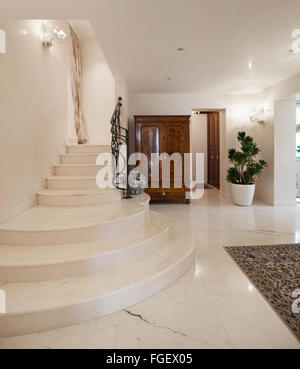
pixel 251 323
pixel 213 305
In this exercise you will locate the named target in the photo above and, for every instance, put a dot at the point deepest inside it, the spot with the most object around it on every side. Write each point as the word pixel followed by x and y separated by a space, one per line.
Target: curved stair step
pixel 58 225
pixel 40 306
pixel 50 197
pixel 29 263
pixel 79 158
pixel 77 169
pixel 71 183
pixel 87 149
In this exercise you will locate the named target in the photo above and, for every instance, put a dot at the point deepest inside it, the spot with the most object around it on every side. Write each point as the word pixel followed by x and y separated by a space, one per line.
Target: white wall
pixel 98 92
pixel 198 130
pixel 284 151
pixel 267 135
pixel 33 112
pixel 121 90
pixel 298 177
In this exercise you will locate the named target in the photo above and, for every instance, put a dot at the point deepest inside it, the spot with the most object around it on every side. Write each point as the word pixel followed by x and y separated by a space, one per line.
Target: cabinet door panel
pixel 174 138
pixel 149 140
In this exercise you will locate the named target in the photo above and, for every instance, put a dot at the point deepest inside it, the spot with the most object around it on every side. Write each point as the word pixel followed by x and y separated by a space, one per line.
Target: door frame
pixel 209 112
pixel 209 168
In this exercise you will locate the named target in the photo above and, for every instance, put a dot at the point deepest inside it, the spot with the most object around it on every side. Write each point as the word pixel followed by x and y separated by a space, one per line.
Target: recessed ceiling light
pixel 180 49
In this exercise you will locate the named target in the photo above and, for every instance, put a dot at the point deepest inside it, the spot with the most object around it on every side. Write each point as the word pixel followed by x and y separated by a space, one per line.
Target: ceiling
pixel 219 38
pixel 140 38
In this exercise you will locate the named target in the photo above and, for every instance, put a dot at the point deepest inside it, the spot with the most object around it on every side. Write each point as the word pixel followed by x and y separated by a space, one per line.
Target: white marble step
pixel 84 149
pixel 40 306
pixel 77 169
pixel 57 225
pixel 79 158
pixel 71 182
pixel 50 197
pixel 31 263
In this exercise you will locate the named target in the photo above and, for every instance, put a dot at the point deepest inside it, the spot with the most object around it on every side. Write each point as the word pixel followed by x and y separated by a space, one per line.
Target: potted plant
pixel 244 170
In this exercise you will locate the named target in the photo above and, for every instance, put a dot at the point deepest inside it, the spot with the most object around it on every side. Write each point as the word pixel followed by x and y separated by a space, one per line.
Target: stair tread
pixel 42 218
pixel 44 296
pixel 51 192
pixel 25 256
pixel 74 178
pixel 89 145
pixel 81 154
pixel 77 165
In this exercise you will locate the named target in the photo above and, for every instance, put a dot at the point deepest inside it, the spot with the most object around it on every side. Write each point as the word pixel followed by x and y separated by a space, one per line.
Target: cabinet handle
pixel 164 194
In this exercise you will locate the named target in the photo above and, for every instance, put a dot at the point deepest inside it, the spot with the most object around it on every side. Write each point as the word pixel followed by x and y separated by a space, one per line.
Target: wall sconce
pixel 295 47
pixel 50 35
pixel 2 42
pixel 258 116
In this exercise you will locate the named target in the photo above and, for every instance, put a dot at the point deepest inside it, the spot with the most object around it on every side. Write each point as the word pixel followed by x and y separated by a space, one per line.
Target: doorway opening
pixel 205 138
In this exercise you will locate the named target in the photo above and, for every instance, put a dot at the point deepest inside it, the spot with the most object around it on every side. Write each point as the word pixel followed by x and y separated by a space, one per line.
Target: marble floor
pixel 212 306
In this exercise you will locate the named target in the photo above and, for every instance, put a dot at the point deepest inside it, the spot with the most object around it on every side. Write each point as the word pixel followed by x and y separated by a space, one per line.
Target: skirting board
pixel 20 208
pixel 282 204
pixel 11 213
pixel 227 195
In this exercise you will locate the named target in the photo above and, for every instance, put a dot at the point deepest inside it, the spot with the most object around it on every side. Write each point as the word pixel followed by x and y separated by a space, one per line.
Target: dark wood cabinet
pixel 158 135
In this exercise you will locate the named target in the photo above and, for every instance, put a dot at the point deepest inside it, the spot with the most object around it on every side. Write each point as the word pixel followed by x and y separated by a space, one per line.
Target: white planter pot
pixel 243 194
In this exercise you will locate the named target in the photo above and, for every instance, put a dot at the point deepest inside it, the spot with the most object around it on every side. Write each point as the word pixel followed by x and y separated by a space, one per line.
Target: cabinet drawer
pixel 167 195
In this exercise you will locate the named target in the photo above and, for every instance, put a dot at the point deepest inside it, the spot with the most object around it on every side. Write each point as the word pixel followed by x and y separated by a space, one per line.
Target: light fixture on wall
pixel 60 33
pixel 2 42
pixel 258 115
pixel 295 47
pixel 50 35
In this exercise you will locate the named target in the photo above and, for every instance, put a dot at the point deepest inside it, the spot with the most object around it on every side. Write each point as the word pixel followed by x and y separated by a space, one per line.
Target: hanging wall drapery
pixel 80 124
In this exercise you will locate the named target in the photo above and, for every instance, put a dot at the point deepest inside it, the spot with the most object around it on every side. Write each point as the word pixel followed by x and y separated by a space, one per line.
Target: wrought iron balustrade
pixel 119 149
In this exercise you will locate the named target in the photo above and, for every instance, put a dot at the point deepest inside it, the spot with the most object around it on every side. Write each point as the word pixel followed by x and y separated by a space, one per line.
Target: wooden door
pixel 213 149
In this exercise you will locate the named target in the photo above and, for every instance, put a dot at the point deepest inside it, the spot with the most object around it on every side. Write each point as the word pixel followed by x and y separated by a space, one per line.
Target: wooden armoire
pixel 164 134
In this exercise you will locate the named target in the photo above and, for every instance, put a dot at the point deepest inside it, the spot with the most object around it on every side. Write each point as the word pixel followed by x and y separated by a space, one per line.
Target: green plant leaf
pixel 245 168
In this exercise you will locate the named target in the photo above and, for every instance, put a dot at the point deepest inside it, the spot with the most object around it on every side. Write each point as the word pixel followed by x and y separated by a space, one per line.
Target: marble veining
pixel 214 305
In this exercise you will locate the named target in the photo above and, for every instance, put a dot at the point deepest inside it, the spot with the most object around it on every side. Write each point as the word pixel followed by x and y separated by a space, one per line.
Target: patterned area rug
pixel 275 271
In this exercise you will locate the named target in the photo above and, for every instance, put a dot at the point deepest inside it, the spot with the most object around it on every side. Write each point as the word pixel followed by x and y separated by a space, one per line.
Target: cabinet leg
pixel 188 201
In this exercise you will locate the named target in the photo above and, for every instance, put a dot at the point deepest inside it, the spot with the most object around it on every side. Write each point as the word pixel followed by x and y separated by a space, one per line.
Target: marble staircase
pixel 84 252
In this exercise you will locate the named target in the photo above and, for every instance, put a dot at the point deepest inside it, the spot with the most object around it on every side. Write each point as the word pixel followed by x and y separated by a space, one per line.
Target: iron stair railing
pixel 119 139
